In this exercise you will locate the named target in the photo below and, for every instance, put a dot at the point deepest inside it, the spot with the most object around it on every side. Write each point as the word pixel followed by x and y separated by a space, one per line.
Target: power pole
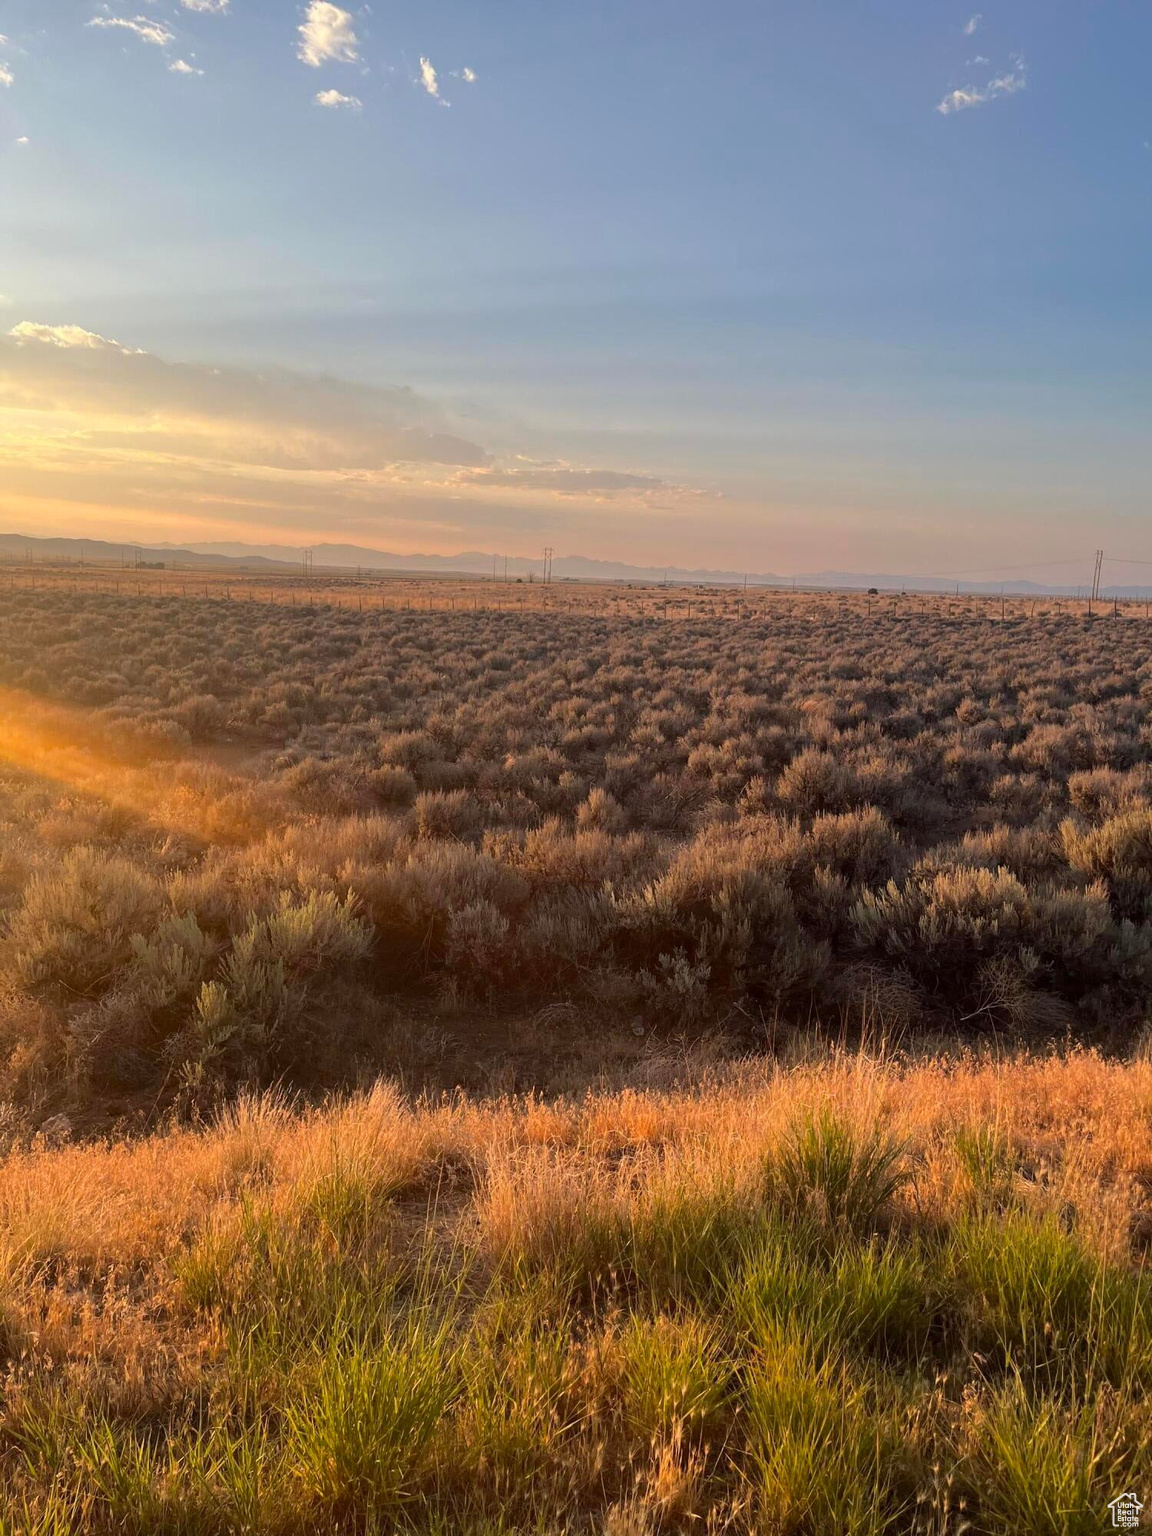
pixel 548 566
pixel 306 564
pixel 1096 575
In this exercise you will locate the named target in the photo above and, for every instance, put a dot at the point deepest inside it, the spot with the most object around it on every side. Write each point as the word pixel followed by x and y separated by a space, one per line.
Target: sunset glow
pixel 798 292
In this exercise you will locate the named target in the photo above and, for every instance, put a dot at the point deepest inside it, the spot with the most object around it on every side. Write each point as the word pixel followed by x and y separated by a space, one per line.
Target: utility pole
pixel 306 564
pixel 548 566
pixel 1096 575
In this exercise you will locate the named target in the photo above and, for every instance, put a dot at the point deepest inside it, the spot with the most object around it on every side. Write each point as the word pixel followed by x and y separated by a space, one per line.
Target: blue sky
pixel 735 256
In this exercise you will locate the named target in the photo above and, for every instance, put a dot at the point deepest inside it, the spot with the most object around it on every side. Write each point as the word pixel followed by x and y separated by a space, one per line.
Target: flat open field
pixel 762 1000
pixel 398 592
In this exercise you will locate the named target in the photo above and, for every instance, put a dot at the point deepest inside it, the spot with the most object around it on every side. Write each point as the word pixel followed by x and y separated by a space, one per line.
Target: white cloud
pixel 216 7
pixel 147 31
pixel 68 337
pixel 338 99
pixel 428 78
pixel 469 75
pixel 327 36
pixel 969 26
pixel 182 67
pixel 1014 81
pixel 6 75
pixel 23 139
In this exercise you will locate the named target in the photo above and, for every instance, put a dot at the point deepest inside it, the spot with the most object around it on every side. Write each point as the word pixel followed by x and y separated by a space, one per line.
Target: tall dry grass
pixel 851 1294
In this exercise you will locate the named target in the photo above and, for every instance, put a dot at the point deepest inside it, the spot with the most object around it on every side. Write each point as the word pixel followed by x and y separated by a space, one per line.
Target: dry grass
pixel 636 1310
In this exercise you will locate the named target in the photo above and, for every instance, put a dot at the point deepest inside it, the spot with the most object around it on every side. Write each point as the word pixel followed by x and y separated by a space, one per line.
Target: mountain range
pixel 351 557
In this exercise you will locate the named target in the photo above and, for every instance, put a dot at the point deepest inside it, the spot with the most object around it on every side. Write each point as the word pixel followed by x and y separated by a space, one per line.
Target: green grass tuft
pixel 843 1178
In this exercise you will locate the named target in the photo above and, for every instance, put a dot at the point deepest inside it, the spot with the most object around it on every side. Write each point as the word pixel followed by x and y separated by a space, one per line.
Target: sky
pixel 778 285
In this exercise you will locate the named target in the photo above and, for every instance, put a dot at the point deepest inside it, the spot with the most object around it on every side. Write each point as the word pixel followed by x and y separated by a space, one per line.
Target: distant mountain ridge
pixel 349 557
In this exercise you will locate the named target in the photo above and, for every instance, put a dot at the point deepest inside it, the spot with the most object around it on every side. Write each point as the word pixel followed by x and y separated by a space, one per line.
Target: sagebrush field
pixel 762 999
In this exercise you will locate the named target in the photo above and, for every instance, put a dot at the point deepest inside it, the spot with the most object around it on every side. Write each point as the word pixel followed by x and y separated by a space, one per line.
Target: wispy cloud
pixel 23 139
pixel 428 79
pixel 469 75
pixel 965 96
pixel 182 67
pixel 338 99
pixel 92 424
pixel 217 7
pixel 969 26
pixel 6 75
pixel 68 337
pixel 563 479
pixel 146 30
pixel 327 36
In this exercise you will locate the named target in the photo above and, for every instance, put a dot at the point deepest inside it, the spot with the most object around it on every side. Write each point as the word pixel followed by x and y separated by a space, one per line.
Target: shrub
pixel 601 812
pixel 477 951
pixel 394 786
pixel 1119 850
pixel 254 1013
pixel 74 928
pixel 815 781
pixel 447 814
pixel 990 939
pixel 830 814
